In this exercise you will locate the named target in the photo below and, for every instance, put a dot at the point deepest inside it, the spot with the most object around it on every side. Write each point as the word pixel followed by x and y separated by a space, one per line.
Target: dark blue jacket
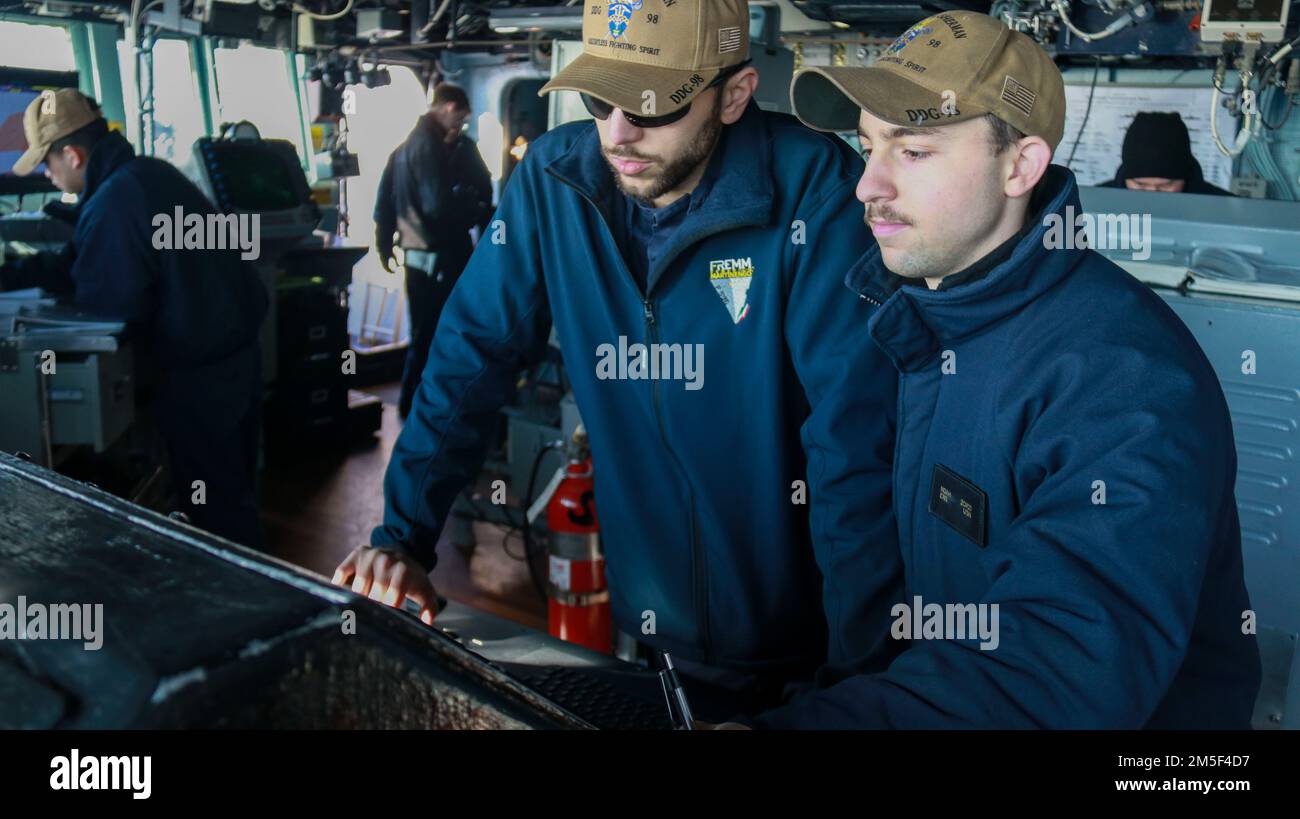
pixel 1065 372
pixel 694 487
pixel 185 308
pixel 431 193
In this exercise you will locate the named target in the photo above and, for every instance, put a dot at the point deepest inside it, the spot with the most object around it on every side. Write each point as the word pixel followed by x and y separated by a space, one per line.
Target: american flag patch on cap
pixel 1018 96
pixel 728 39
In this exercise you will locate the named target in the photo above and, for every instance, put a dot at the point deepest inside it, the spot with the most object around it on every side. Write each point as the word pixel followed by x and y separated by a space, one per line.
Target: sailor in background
pixel 1158 157
pixel 192 315
pixel 434 189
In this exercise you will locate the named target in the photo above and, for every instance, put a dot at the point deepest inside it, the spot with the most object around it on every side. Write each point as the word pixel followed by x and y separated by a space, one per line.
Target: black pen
pixel 679 710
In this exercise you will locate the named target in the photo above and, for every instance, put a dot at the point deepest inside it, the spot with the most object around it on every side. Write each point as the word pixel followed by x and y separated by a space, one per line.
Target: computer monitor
pixel 261 176
pixel 18 87
pixel 14 100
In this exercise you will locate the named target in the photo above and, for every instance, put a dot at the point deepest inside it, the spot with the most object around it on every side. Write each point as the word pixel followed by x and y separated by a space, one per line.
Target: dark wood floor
pixel 317 508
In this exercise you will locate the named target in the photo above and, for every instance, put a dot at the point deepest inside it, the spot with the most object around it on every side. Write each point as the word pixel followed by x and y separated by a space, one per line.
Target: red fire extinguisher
pixel 577 597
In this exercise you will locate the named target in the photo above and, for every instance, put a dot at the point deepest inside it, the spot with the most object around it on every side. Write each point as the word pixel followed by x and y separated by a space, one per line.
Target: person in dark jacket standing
pixel 684 226
pixel 192 313
pixel 1065 467
pixel 434 189
pixel 1157 156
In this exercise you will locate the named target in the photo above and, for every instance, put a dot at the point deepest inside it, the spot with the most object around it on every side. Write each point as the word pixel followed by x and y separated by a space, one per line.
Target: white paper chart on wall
pixel 1113 109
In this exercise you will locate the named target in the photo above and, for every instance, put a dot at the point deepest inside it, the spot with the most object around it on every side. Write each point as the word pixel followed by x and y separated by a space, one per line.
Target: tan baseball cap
pixel 673 48
pixel 947 68
pixel 49 118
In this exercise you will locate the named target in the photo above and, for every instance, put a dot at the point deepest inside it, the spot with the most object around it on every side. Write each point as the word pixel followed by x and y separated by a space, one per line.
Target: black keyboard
pixel 610 699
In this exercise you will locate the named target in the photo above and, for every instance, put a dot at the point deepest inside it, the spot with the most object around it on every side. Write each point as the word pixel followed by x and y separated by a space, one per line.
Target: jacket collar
pixel 736 191
pixel 914 323
pixel 109 154
pixel 430 123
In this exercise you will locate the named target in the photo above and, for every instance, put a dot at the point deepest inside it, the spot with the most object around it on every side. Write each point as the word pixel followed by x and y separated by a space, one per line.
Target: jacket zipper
pixel 652 337
pixel 898 445
pixel 701 585
pixel 893 483
pixel 701 588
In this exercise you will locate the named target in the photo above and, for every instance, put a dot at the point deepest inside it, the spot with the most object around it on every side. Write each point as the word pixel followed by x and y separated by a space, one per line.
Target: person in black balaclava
pixel 1158 157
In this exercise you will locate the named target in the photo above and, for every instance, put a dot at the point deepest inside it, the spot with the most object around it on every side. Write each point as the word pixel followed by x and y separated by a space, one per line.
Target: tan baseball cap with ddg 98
pixel 947 68
pixel 673 48
pixel 49 118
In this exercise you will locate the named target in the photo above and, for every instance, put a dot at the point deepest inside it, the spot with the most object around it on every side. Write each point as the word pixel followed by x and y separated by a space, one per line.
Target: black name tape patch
pixel 960 504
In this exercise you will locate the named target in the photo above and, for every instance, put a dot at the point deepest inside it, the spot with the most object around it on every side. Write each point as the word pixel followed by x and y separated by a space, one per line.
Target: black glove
pixel 61 211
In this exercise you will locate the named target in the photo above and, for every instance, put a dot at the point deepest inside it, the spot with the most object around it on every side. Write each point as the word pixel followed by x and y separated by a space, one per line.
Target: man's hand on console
pixel 390 577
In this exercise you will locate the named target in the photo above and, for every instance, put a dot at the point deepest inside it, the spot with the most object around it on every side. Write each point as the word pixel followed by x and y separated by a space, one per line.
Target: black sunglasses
pixel 601 110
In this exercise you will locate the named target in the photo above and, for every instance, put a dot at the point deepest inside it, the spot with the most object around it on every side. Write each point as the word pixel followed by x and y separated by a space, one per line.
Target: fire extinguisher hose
pixel 529 547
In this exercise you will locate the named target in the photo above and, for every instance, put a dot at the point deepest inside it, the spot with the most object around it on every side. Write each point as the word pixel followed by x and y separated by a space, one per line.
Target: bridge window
pixel 46 48
pixel 178 113
pixel 256 84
